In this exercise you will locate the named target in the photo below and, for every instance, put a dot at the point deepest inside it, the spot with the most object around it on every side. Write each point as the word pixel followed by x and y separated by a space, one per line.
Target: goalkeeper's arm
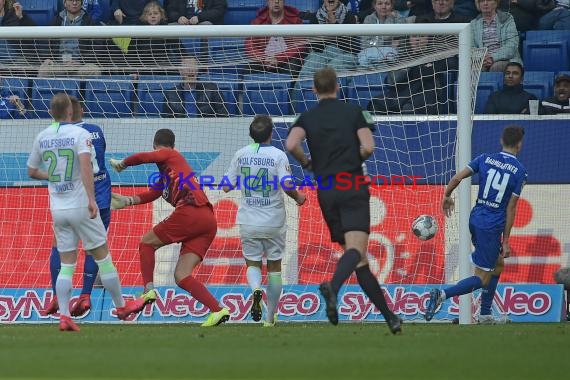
pixel 119 201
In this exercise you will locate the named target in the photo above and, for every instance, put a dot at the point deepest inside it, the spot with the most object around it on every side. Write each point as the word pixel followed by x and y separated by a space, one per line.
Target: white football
pixel 424 227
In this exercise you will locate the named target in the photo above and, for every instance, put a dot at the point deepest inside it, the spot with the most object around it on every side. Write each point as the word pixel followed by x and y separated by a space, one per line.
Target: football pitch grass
pixel 288 351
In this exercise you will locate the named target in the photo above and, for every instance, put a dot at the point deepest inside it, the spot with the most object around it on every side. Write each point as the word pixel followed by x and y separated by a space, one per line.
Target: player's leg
pixel 274 248
pixel 90 270
pixel 54 267
pixel 67 241
pixel 94 237
pixel 488 294
pixel 252 249
pixel 487 248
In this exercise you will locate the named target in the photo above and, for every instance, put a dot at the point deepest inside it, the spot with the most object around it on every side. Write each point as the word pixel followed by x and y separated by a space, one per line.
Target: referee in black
pixel 339 138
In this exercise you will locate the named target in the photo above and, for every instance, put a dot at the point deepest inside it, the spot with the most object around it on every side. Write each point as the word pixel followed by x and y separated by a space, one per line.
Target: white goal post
pixel 467 77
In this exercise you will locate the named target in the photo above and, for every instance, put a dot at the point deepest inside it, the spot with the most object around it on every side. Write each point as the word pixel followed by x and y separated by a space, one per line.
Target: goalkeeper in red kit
pixel 192 223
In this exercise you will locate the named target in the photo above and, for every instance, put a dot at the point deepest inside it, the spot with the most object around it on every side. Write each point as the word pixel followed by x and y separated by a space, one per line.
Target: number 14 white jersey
pixel 259 170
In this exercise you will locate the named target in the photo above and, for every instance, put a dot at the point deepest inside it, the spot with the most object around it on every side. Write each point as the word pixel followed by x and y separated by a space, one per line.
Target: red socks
pixel 200 292
pixel 146 252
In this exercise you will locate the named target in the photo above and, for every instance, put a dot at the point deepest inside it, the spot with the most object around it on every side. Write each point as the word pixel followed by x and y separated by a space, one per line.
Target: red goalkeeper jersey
pixel 181 188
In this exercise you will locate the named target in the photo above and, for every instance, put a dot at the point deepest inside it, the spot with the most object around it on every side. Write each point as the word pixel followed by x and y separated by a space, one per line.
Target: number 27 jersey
pixel 501 176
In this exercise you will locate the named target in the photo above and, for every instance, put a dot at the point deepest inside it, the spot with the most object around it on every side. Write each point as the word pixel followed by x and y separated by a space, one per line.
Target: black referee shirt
pixel 331 128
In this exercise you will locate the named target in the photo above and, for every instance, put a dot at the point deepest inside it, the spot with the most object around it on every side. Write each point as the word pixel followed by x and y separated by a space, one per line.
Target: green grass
pixel 289 351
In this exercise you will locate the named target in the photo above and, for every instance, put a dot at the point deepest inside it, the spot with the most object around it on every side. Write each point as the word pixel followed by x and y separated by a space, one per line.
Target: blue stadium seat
pixel 44 89
pixel 304 98
pixel 491 77
pixel 547 35
pixel 225 52
pixel 109 96
pixel 539 83
pixel 41 11
pixel 304 5
pixel 17 86
pixel 242 12
pixel 484 90
pixel 151 93
pixel 230 87
pixel 364 87
pixel 546 56
pixel 194 46
pixel 267 93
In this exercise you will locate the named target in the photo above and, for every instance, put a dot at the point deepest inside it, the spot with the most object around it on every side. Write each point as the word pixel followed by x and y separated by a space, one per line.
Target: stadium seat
pixel 41 11
pixel 109 96
pixel 492 77
pixel 304 98
pixel 151 93
pixel 230 87
pixel 305 5
pixel 242 12
pixel 539 83
pixel 44 89
pixel 267 93
pixel 364 87
pixel 546 56
pixel 484 90
pixel 194 46
pixel 224 53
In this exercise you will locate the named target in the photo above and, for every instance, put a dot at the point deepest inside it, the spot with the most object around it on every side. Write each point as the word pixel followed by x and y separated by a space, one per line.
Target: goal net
pixel 206 85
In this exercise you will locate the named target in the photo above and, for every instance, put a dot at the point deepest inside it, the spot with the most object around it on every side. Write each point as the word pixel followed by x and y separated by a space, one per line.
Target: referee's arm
pixel 366 142
pixel 293 144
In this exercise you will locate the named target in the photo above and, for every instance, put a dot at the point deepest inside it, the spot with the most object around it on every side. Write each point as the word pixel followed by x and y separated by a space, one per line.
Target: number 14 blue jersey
pixel 501 175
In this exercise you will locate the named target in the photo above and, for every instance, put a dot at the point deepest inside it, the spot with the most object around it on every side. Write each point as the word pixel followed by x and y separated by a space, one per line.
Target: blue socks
pixel 90 270
pixel 54 266
pixel 487 296
pixel 465 286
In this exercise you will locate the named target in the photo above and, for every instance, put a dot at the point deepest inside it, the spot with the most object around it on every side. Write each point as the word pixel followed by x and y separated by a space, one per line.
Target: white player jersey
pixel 57 148
pixel 259 170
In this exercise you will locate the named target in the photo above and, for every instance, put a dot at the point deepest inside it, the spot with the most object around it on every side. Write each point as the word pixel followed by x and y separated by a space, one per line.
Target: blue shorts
pixel 487 246
pixel 105 214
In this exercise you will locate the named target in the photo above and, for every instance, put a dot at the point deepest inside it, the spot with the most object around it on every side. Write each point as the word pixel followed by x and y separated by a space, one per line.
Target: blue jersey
pixel 101 179
pixel 501 176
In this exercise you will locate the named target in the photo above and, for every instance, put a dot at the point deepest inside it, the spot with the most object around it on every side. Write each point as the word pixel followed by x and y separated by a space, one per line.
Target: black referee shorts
pixel 345 210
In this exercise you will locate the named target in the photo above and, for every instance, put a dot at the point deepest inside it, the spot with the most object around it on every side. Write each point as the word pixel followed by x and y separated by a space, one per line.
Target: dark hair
pixel 164 137
pixel 325 81
pixel 59 105
pixel 77 109
pixel 516 64
pixel 260 128
pixel 512 135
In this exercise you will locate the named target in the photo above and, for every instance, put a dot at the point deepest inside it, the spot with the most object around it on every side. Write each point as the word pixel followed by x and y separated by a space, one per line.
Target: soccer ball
pixel 424 227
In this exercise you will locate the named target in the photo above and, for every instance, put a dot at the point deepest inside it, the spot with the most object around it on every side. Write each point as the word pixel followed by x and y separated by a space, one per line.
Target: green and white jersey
pixel 259 171
pixel 57 148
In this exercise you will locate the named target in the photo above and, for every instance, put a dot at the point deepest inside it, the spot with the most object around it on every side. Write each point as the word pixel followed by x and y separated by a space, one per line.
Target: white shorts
pixel 256 241
pixel 74 224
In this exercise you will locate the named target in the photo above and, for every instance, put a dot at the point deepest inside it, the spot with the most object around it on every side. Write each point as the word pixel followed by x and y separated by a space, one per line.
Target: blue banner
pixel 298 303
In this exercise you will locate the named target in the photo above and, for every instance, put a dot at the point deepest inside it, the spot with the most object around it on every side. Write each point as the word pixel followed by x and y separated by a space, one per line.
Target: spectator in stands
pixel 127 12
pixel 467 8
pixel 496 31
pixel 556 16
pixel 69 57
pixel 153 54
pixel 12 14
pixel 443 12
pixel 419 89
pixel 511 99
pixel 276 54
pixel 207 96
pixel 407 8
pixel 11 106
pixel 525 12
pixel 194 12
pixel 376 49
pixel 336 52
pixel 93 9
pixel 560 102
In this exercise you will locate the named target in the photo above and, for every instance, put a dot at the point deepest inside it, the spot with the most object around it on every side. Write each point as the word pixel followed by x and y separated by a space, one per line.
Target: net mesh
pixel 207 90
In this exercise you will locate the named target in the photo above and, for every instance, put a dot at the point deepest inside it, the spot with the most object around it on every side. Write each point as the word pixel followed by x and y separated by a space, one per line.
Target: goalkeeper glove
pixel 117 165
pixel 119 201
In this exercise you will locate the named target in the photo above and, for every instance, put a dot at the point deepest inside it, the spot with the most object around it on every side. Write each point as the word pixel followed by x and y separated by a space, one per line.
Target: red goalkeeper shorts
pixel 194 227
